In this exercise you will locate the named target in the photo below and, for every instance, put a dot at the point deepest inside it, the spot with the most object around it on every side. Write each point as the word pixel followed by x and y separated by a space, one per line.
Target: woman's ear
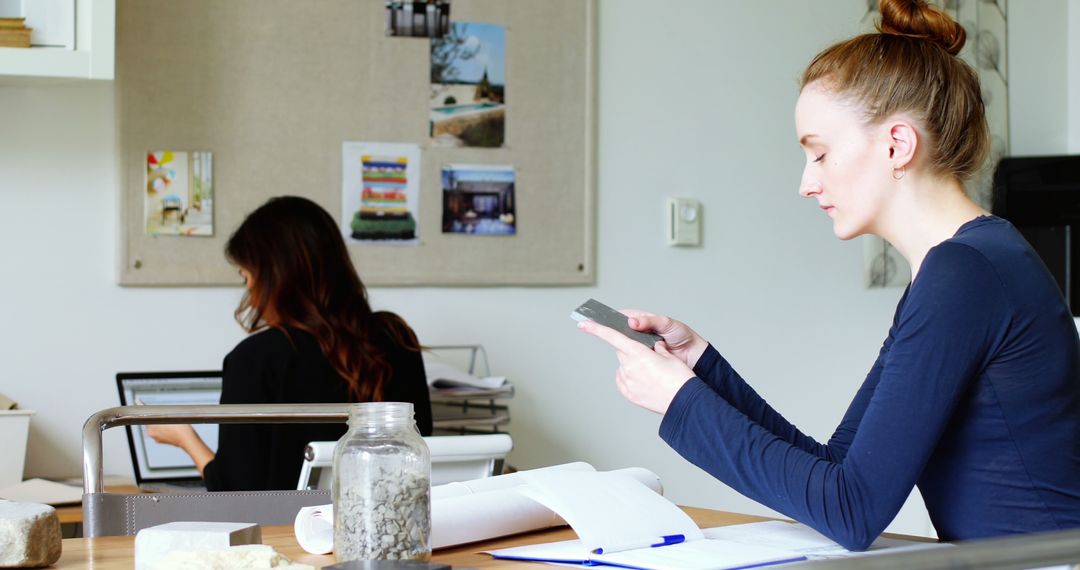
pixel 903 140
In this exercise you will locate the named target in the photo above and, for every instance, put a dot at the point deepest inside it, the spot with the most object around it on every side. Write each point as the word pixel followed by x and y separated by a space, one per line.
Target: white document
pixel 470 518
pixel 42 491
pixel 805 540
pixel 621 522
pixel 703 554
pixel 469 511
pixel 443 375
pixel 734 546
pixel 511 480
pixel 611 511
pixel 497 506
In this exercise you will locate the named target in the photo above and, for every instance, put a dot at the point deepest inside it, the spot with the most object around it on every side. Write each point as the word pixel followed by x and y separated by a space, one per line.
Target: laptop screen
pixel 153 461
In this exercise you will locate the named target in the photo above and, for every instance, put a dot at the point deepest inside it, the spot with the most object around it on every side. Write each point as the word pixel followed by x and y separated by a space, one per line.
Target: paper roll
pixel 470 518
pixel 467 511
pixel 497 508
pixel 314 528
pixel 498 482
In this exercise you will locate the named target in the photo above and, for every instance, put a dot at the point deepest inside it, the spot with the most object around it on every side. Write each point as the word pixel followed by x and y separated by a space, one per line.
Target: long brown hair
pixel 303 278
pixel 910 66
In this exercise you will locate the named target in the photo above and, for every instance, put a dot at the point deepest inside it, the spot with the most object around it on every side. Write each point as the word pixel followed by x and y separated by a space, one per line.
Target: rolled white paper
pixel 314 528
pixel 459 520
pixel 498 510
pixel 466 511
pixel 499 482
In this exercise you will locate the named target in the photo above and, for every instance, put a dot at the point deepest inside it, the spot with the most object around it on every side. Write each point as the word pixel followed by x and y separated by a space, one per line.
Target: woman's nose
pixel 809 188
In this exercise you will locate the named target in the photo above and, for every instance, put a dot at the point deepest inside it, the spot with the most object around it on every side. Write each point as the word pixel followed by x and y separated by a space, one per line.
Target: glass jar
pixel 382 486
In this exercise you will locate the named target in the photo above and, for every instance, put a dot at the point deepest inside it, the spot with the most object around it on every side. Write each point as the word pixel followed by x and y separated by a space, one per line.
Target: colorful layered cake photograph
pixel 384 212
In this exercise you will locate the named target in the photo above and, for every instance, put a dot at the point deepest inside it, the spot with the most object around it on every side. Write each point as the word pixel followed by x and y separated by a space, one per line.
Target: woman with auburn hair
pixel 316 340
pixel 975 394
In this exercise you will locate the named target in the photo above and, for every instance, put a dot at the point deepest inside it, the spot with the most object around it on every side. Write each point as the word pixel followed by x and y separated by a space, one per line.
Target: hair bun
pixel 917 19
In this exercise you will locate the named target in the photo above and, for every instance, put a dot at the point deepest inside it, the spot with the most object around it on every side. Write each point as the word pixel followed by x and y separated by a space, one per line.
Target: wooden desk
pixel 119 551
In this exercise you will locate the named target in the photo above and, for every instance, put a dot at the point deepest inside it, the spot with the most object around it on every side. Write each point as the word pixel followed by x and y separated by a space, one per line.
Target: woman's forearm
pixel 198 450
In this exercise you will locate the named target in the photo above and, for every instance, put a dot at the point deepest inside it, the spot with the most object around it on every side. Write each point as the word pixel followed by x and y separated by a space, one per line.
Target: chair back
pixel 111 514
pixel 125 514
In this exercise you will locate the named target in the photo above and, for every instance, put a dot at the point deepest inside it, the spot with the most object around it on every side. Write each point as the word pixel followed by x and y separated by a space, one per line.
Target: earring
pixel 901 174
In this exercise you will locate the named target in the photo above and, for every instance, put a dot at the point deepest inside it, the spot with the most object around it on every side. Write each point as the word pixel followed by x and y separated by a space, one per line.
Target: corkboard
pixel 274 87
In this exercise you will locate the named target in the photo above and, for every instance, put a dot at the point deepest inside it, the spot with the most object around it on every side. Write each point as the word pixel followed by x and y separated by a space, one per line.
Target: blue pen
pixel 665 540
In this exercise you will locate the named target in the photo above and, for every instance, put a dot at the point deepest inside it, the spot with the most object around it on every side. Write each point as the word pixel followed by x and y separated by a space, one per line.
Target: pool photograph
pixel 468 86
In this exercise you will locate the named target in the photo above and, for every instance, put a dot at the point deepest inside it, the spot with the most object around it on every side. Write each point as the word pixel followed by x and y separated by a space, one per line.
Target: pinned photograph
pixel 478 199
pixel 380 193
pixel 179 193
pixel 468 86
pixel 421 19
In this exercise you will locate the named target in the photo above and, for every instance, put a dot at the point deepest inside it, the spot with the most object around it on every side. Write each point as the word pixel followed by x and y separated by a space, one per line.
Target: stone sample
pixel 154 543
pixel 29 535
pixel 233 558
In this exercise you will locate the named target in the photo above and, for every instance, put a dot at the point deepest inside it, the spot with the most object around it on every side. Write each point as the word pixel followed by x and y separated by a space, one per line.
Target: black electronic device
pixel 593 310
pixel 1040 195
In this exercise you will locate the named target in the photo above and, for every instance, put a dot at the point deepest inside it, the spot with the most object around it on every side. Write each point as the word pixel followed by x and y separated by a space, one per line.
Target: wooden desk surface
pixel 119 551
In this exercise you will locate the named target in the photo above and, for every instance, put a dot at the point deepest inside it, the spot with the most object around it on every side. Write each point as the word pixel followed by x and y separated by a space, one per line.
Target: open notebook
pixel 621 522
pixel 699 554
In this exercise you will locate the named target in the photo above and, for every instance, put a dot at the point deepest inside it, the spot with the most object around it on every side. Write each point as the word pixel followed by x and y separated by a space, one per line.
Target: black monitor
pixel 1040 195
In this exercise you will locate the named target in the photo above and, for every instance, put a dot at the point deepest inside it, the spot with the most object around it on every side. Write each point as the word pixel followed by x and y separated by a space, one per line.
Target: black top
pixel 271 368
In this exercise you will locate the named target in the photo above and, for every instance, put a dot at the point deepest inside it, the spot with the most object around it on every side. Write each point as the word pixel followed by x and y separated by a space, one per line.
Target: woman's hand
pixel 184 437
pixel 171 434
pixel 647 378
pixel 681 340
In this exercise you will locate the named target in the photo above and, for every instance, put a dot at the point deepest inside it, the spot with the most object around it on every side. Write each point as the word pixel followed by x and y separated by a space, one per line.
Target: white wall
pixel 1039 76
pixel 695 106
pixel 1072 61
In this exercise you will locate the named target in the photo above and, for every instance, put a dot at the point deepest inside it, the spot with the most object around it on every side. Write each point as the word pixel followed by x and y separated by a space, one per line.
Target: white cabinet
pixel 92 58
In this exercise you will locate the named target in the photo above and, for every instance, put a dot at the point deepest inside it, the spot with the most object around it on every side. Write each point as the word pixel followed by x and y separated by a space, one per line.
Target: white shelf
pixel 93 56
pixel 44 62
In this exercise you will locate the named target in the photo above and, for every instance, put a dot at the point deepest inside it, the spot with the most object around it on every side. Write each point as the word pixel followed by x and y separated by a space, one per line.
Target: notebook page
pixel 610 510
pixel 803 539
pixel 700 555
pixel 565 552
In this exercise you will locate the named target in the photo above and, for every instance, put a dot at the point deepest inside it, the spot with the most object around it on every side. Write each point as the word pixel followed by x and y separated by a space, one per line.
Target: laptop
pixel 159 467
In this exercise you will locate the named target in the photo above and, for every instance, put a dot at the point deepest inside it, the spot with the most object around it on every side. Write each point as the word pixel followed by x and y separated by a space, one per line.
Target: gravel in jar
pixel 389 521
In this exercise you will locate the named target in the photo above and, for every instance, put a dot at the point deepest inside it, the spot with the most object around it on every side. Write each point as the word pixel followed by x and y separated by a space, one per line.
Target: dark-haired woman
pixel 316 340
pixel 975 395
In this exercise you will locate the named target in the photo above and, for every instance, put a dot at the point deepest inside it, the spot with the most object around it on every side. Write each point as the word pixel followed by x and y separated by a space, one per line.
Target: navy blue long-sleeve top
pixel 974 397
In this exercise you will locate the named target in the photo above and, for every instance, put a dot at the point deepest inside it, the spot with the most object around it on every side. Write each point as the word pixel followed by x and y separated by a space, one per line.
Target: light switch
pixel 684 221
